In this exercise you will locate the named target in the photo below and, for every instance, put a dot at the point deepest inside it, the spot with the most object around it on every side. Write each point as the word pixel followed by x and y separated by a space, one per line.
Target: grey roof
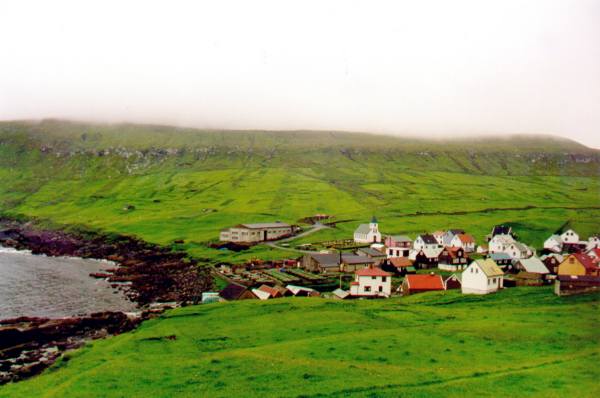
pixel 534 265
pixel 340 293
pixel 428 239
pixel 500 256
pixel 401 238
pixel 332 259
pixel 265 225
pixel 363 229
pixel 369 251
pixel 355 259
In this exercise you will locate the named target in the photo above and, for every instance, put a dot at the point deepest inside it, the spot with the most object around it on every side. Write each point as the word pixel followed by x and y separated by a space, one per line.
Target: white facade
pixel 593 242
pixel 393 252
pixel 368 233
pixel 481 278
pixel 420 244
pixel 255 232
pixel 439 236
pixel 500 243
pixel 457 242
pixel 554 244
pixel 569 236
pixel 371 282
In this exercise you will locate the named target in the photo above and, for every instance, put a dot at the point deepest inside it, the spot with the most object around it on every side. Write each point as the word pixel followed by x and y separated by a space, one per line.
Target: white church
pixel 368 233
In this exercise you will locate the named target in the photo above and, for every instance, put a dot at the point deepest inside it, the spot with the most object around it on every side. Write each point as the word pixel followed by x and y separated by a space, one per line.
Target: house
pixel 454 281
pixel 265 292
pixel 398 246
pixel 425 241
pixel 452 259
pixel 593 242
pixel 500 230
pixel 554 244
pixel 403 265
pixel 579 264
pixel 482 277
pixel 449 235
pixel 371 282
pixel 569 236
pixel 551 261
pixel 321 262
pixel 501 259
pixel 372 253
pixel 518 250
pixel 353 262
pixel 425 258
pixel 567 285
pixel 234 291
pixel 422 283
pixel 500 243
pixel 531 265
pixel 301 291
pixel 368 233
pixel 465 241
pixel 439 236
pixel 260 232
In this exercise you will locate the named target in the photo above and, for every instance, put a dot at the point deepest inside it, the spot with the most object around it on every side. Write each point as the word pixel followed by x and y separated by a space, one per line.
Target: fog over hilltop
pixel 418 68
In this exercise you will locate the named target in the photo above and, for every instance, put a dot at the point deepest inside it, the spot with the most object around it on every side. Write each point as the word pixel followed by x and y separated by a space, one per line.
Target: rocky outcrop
pixel 146 273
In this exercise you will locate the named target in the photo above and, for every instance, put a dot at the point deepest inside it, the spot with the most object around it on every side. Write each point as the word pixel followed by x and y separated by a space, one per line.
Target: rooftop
pixel 425 282
pixel 372 271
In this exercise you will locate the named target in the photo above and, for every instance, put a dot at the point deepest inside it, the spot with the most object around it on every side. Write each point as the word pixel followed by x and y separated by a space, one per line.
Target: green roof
pixel 489 267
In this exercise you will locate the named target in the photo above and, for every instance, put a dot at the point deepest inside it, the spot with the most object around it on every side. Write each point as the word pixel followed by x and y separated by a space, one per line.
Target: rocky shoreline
pixel 146 273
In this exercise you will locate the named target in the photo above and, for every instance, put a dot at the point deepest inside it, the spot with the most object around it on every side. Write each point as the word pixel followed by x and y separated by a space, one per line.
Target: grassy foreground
pixel 165 184
pixel 519 342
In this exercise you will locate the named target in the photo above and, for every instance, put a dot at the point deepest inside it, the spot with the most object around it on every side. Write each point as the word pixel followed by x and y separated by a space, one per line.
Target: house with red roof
pixel 371 281
pixel 579 264
pixel 422 283
pixel 465 241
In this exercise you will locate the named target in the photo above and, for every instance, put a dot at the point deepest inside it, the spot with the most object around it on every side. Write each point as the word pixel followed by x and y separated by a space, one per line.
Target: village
pixel 374 265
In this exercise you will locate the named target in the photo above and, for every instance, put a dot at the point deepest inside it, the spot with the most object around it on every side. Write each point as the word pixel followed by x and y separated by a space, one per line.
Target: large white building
pixel 249 233
pixel 368 233
pixel 482 277
pixel 500 243
pixel 371 282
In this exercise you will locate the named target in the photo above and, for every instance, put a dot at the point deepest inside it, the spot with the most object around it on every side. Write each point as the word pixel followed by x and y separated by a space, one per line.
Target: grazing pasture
pixel 519 342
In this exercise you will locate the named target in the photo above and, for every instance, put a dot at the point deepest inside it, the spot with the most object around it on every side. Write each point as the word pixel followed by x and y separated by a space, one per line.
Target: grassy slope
pixel 217 179
pixel 520 342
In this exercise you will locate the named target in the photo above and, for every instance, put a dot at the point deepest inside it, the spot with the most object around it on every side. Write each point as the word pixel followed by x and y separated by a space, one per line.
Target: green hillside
pixel 165 184
pixel 519 342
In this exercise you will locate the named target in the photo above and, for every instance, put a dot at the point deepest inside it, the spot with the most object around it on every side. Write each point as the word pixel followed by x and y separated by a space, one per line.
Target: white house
pixel 368 233
pixel 569 236
pixel 449 235
pixel 554 244
pixel 425 241
pixel 465 241
pixel 439 236
pixel 593 242
pixel 482 277
pixel 500 243
pixel 256 232
pixel 371 282
pixel 518 250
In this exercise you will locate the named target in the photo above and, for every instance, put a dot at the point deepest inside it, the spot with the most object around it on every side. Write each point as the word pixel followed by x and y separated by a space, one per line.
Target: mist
pixel 427 68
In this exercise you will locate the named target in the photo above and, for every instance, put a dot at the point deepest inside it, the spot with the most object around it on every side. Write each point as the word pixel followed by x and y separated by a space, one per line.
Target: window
pixel 384 278
pixel 373 277
pixel 391 252
pixel 476 270
pixel 471 270
pixel 367 288
pixel 381 288
pixel 489 281
pixel 494 280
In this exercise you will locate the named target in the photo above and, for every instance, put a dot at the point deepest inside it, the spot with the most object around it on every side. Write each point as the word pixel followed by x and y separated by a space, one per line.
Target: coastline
pixel 152 276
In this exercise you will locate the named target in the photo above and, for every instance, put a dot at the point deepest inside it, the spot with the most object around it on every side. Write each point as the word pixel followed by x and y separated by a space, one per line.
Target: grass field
pixel 519 342
pixel 188 184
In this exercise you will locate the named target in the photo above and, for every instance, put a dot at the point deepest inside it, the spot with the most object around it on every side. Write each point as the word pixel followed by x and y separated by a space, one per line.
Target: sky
pixel 426 68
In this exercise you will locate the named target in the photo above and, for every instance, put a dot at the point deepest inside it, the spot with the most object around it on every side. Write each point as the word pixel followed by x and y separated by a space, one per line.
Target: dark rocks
pixel 146 273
